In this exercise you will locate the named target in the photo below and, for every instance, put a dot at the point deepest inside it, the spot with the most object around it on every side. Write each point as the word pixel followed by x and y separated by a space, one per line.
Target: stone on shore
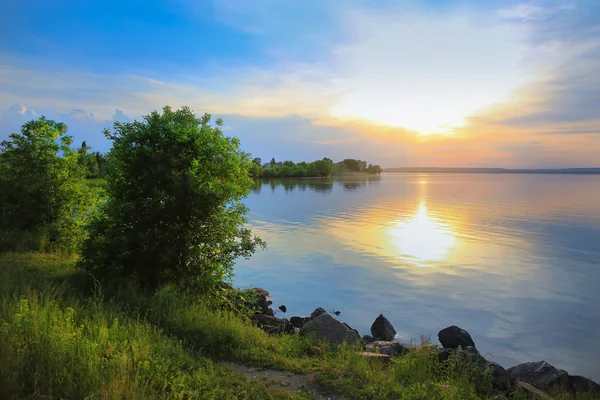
pixel 271 324
pixel 298 322
pixel 368 339
pixel 502 379
pixel 318 311
pixel 383 329
pixel 325 327
pixel 541 375
pixel 453 336
pixel 533 391
pixel 382 347
pixel 581 384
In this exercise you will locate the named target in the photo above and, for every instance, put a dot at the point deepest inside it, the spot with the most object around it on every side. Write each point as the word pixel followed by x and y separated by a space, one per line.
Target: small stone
pixel 382 347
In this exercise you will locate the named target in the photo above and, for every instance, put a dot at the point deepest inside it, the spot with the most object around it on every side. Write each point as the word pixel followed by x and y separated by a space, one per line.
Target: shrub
pixel 42 192
pixel 172 210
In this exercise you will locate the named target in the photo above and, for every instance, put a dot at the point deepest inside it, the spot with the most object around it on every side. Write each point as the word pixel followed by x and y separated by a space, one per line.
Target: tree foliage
pixel 42 190
pixel 173 209
pixel 319 168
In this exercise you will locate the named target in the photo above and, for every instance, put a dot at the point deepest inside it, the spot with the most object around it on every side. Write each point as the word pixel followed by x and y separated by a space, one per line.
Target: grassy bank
pixel 63 336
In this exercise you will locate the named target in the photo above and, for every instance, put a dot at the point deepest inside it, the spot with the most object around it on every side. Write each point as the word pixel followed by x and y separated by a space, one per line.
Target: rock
pixel 261 301
pixel 298 322
pixel 467 354
pixel 318 311
pixel 382 347
pixel 580 384
pixel 501 377
pixel 383 329
pixel 368 339
pixel 444 354
pixel 541 375
pixel 271 324
pixel 536 393
pixel 351 328
pixel 453 336
pixel 325 327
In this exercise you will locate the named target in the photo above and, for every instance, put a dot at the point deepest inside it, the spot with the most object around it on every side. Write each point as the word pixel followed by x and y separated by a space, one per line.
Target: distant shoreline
pixel 577 171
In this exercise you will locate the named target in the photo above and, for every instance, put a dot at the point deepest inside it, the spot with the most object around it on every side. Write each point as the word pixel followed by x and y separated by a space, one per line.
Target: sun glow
pixel 422 237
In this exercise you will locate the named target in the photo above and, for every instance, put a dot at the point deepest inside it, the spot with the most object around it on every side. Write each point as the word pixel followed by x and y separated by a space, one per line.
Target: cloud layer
pixel 514 85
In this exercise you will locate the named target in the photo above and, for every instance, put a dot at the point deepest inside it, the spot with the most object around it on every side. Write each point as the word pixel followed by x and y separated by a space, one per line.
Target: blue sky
pixel 432 83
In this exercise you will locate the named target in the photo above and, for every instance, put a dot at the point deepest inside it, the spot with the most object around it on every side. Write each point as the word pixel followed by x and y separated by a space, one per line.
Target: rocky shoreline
pixel 537 378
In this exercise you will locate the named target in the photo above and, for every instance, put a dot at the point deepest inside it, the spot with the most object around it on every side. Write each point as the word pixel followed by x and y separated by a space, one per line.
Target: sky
pixel 432 83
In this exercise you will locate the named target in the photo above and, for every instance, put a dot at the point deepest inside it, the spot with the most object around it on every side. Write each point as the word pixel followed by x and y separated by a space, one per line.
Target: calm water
pixel 513 259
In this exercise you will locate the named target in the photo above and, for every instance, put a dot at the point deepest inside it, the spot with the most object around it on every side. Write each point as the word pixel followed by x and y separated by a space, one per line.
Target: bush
pixel 173 210
pixel 43 195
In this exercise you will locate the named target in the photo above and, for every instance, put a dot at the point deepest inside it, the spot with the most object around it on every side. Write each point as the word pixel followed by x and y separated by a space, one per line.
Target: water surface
pixel 512 258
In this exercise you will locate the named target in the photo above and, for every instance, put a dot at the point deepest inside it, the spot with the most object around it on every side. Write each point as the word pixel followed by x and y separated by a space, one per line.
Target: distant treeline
pixel 320 168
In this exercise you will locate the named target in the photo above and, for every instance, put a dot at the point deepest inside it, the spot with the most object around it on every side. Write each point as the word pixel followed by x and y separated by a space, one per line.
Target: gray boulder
pixel 383 347
pixel 368 339
pixel 466 354
pixel 580 384
pixel 298 322
pixel 318 311
pixel 351 328
pixel 383 329
pixel 453 336
pixel 541 375
pixel 271 324
pixel 501 377
pixel 325 327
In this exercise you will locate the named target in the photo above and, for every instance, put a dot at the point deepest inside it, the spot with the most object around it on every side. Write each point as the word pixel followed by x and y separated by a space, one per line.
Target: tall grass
pixel 53 344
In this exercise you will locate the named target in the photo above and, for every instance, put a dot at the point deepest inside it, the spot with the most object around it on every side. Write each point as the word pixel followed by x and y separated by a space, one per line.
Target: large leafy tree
pixel 173 209
pixel 42 189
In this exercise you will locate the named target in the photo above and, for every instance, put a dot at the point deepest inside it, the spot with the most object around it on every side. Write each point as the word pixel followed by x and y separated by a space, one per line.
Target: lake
pixel 512 258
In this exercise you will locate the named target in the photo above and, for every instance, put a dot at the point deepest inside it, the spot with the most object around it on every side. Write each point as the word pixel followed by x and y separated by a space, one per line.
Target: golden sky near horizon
pixel 444 83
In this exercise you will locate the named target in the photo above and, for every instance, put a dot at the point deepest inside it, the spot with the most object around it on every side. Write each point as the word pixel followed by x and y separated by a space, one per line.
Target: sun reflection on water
pixel 422 236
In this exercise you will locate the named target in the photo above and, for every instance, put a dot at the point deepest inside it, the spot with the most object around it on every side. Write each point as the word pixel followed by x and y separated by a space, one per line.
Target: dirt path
pixel 283 380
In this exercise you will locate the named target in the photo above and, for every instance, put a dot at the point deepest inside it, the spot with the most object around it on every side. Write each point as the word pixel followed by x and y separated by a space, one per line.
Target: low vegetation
pixel 62 334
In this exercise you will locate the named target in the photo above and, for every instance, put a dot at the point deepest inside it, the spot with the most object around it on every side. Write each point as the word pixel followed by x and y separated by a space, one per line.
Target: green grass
pixel 63 336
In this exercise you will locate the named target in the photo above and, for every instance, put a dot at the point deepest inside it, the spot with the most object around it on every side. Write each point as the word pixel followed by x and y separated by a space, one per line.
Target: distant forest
pixel 320 168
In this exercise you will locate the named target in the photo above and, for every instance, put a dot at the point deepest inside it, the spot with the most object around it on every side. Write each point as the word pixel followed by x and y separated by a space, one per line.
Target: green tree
pixel 173 209
pixel 324 166
pixel 42 189
pixel 311 170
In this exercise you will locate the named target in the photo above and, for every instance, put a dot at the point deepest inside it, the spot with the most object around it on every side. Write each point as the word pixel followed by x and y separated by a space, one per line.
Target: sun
pixel 421 237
